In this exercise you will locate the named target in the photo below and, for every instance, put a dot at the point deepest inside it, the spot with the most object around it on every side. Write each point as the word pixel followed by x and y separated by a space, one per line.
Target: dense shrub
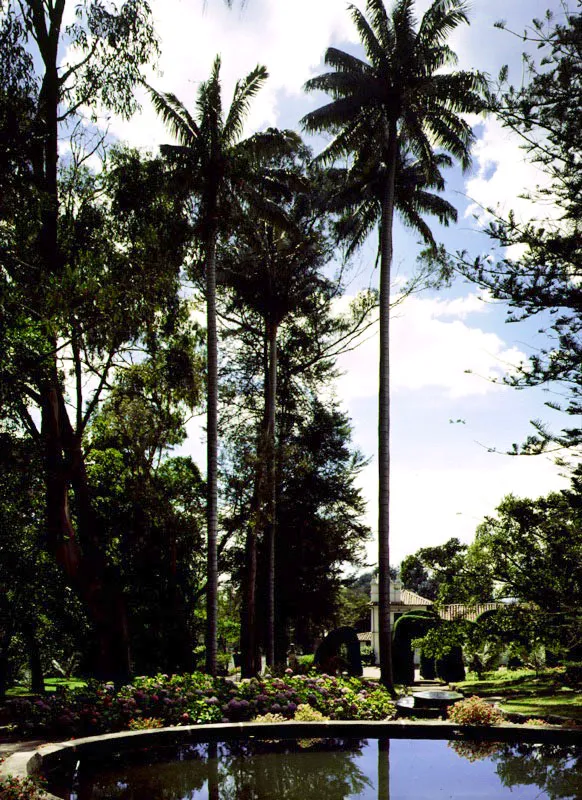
pixel 195 699
pixel 474 711
pixel 427 667
pixel 572 675
pixel 450 667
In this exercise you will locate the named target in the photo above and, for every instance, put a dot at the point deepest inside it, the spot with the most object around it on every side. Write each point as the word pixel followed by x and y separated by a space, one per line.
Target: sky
pixel 451 422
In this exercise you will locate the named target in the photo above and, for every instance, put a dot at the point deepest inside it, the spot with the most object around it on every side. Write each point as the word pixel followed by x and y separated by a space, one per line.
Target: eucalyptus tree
pixel 53 71
pixel 397 96
pixel 225 173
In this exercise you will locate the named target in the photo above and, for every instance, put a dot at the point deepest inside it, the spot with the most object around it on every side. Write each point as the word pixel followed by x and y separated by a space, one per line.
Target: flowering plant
pixel 196 699
pixel 12 788
pixel 474 711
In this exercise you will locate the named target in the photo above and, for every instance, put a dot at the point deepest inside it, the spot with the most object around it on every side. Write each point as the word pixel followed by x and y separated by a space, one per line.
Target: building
pixel 403 600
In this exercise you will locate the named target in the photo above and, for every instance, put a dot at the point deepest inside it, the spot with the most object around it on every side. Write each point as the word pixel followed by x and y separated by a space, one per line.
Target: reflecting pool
pixel 330 769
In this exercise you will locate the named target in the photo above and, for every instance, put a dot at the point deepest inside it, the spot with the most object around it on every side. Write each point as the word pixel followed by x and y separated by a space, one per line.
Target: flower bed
pixel 195 699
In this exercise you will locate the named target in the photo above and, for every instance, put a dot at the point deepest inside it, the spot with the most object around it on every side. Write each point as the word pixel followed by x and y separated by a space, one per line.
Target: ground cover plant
pixel 195 699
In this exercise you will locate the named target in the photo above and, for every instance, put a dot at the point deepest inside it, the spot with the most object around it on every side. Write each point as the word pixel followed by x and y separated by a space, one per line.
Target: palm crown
pixel 213 160
pixel 401 83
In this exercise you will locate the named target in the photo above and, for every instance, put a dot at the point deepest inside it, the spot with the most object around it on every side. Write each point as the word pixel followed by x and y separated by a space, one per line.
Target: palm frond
pixel 346 62
pixel 452 133
pixel 440 20
pixel 372 47
pixel 404 31
pixel 429 203
pixel 175 116
pixel 209 105
pixel 381 23
pixel 353 229
pixel 244 91
pixel 270 144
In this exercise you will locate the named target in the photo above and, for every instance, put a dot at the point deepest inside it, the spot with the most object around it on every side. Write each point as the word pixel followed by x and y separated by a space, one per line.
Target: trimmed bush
pixel 572 675
pixel 427 667
pixel 450 667
pixel 328 658
pixel 409 626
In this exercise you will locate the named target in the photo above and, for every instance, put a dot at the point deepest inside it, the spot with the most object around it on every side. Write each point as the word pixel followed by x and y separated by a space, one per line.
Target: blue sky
pixel 445 479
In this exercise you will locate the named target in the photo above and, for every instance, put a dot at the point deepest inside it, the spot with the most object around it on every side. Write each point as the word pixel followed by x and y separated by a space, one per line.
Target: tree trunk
pixel 34 659
pixel 5 638
pixel 271 487
pixel 84 567
pixel 212 458
pixel 384 769
pixel 249 626
pixel 384 418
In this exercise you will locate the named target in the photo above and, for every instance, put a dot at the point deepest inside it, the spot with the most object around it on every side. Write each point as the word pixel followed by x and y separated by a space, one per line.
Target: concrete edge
pixel 32 763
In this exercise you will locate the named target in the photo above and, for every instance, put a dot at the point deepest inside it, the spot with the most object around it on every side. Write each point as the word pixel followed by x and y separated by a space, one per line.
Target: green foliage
pixel 532 549
pixel 474 711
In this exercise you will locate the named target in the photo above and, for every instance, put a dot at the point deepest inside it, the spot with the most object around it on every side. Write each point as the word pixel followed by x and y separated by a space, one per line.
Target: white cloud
pixel 504 172
pixel 429 506
pixel 288 38
pixel 432 346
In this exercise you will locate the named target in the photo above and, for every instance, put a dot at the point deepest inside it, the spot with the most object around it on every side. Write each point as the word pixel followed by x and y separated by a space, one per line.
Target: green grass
pixel 523 692
pixel 564 704
pixel 510 682
pixel 50 685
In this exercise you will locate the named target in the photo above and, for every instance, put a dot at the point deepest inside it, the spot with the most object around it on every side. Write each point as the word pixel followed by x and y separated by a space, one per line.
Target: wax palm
pixel 224 172
pixel 397 96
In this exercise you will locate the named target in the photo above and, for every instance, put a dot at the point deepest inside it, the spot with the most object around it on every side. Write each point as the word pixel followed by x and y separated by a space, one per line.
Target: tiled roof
pixel 457 610
pixel 412 599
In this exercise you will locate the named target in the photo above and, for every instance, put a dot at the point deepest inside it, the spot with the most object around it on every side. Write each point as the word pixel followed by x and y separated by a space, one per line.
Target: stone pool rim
pixel 32 763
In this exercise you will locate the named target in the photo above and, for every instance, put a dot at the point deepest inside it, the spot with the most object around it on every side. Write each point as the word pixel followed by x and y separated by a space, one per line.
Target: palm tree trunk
pixel 271 515
pixel 384 417
pixel 212 458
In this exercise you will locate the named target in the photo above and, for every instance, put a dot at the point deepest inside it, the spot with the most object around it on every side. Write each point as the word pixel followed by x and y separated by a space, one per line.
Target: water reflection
pixel 332 769
pixel 556 770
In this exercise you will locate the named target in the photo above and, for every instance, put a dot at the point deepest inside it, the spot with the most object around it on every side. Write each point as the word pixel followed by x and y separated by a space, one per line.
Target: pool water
pixel 331 769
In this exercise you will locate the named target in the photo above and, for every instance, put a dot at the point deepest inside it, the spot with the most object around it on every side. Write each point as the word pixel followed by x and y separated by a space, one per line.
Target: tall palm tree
pixel 224 172
pixel 398 96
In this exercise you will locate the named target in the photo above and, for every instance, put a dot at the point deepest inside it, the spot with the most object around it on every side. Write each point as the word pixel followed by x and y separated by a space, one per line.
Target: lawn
pixel 50 685
pixel 524 692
